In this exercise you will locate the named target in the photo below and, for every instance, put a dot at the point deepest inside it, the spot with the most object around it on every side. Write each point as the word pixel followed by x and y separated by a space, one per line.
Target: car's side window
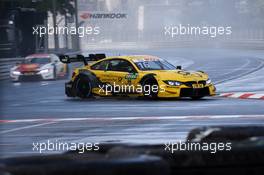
pixel 100 66
pixel 120 66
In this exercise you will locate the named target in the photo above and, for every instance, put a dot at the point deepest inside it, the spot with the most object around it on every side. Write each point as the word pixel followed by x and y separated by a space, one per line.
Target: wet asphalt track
pixel 46 100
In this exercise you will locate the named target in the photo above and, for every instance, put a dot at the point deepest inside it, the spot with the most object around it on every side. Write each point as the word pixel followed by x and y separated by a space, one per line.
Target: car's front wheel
pixel 150 88
pixel 83 87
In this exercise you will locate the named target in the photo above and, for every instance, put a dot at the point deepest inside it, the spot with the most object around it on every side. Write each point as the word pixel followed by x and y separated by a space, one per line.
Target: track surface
pixel 46 100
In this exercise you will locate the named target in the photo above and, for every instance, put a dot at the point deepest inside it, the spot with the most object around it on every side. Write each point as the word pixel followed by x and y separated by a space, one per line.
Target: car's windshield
pixel 37 60
pixel 155 64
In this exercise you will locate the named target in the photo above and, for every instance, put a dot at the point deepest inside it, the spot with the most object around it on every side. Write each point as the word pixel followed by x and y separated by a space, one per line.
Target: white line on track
pixel 130 118
pixel 25 127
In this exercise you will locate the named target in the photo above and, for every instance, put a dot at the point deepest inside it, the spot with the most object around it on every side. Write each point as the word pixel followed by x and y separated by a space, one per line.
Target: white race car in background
pixel 39 67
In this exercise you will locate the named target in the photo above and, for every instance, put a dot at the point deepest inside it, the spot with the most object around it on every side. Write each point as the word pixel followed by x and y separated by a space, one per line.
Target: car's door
pixel 123 74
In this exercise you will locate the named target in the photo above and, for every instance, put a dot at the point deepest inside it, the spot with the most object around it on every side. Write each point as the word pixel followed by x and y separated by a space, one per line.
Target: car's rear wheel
pixel 83 87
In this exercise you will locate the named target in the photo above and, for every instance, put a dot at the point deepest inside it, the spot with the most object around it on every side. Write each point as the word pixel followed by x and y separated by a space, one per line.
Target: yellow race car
pixel 134 75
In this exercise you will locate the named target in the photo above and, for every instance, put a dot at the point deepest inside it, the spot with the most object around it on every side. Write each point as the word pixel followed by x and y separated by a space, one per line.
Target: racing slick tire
pixel 148 85
pixel 83 86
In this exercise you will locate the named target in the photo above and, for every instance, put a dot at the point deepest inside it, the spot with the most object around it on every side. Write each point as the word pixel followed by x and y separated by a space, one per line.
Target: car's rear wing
pixel 80 58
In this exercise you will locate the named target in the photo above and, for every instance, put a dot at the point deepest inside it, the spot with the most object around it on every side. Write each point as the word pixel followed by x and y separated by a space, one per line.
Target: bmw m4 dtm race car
pixel 134 75
pixel 39 67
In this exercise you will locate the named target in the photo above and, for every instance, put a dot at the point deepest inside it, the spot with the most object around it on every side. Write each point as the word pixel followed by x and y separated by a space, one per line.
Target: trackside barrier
pixel 5 65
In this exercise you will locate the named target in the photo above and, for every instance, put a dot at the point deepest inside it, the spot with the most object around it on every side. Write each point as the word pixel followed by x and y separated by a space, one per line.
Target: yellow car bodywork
pixel 190 81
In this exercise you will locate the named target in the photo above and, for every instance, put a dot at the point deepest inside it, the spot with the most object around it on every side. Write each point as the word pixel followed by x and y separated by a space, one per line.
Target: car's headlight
pixel 173 83
pixel 16 72
pixel 44 71
pixel 208 81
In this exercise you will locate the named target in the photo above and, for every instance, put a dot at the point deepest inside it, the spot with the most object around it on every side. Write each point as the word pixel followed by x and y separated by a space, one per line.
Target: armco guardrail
pixel 5 65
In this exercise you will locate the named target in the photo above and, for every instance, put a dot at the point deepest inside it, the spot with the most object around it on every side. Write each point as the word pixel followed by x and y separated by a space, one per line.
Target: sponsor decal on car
pixel 131 76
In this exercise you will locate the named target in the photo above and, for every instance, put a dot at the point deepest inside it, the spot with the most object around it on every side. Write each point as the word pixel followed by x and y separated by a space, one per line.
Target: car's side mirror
pixel 178 67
